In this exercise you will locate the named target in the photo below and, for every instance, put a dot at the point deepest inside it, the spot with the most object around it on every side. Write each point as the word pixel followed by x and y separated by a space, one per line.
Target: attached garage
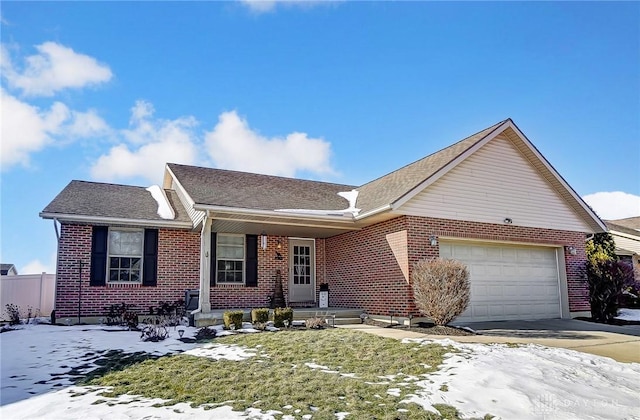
pixel 508 282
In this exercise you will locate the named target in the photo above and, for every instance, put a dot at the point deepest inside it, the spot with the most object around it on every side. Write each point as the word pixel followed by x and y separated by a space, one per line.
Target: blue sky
pixel 343 92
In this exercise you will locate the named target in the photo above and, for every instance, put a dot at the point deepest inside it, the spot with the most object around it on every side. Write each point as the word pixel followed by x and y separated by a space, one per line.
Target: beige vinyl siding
pixel 196 216
pixel 625 242
pixel 492 184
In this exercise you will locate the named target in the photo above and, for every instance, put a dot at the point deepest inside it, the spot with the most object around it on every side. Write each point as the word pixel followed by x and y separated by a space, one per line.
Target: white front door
pixel 302 270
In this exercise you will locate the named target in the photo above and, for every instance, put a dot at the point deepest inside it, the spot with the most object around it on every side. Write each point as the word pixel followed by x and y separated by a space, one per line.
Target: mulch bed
pixel 423 328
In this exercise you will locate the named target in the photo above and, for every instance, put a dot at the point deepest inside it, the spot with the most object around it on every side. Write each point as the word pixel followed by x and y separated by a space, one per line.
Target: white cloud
pixel 234 145
pixel 153 143
pixel 614 205
pixel 38 267
pixel 264 6
pixel 54 68
pixel 26 129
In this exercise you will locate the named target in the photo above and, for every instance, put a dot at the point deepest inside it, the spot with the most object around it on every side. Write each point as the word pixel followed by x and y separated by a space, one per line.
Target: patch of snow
pixel 164 208
pixel 626 314
pixel 394 392
pixel 531 382
pixel 248 330
pixel 350 196
pixel 298 323
pixel 342 415
pixel 271 328
pixel 222 351
pixel 316 366
pixel 37 357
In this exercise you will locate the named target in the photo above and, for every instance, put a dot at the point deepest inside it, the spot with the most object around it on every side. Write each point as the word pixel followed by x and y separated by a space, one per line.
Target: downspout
pixel 55 227
pixel 55 282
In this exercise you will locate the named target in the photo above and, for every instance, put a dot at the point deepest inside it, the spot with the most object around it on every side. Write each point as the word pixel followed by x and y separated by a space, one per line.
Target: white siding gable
pixel 627 242
pixel 494 183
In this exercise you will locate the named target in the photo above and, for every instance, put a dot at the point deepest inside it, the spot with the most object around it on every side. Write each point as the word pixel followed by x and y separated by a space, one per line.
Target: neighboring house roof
pixel 627 239
pixel 96 201
pixel 614 225
pixel 629 223
pixel 8 269
pixel 242 190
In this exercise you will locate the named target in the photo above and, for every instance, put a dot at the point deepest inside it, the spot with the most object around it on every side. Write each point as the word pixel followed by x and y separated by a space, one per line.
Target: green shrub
pixel 260 315
pixel 280 315
pixel 233 317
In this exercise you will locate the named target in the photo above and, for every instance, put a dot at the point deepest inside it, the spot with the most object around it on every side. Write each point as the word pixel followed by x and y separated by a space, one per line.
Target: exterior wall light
pixel 572 250
pixel 263 240
pixel 508 220
pixel 433 240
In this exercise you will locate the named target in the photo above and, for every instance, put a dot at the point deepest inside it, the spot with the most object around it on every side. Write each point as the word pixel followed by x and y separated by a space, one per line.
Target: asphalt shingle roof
pixel 393 186
pixel 96 199
pixel 624 227
pixel 218 187
pixel 629 223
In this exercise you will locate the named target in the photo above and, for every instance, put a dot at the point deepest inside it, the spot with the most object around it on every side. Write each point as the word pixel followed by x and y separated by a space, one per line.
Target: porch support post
pixel 205 261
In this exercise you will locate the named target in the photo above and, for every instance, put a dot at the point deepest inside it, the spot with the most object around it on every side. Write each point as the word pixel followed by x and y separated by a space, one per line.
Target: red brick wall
pixel 178 270
pixel 363 272
pixel 238 296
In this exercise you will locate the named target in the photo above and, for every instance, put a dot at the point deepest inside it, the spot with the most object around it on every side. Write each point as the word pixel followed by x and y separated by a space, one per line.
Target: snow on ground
pixel 629 314
pixel 532 382
pixel 525 382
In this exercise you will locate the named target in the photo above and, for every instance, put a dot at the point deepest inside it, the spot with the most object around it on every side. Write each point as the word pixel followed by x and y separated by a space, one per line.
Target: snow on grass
pixel 525 382
pixel 222 351
pixel 532 382
pixel 629 314
pixel 37 381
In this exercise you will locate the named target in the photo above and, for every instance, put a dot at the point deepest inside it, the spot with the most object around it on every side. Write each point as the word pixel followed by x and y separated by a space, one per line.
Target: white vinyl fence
pixel 37 291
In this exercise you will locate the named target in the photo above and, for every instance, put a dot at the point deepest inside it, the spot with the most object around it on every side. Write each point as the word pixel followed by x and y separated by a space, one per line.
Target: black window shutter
pixel 212 266
pixel 150 258
pixel 252 261
pixel 98 276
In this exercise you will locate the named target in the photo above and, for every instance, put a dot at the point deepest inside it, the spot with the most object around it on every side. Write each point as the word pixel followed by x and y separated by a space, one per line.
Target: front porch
pixel 333 316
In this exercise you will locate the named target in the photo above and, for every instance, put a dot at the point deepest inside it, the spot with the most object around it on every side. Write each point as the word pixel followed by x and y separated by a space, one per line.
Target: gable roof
pixel 389 188
pixel 615 225
pixel 6 268
pixel 632 223
pixel 243 190
pixel 83 200
pixel 410 180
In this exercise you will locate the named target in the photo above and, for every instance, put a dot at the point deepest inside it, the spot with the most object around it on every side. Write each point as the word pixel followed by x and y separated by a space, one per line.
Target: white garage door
pixel 508 282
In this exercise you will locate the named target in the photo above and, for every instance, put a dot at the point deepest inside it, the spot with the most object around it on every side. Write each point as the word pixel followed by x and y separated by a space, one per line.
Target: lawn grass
pixel 278 379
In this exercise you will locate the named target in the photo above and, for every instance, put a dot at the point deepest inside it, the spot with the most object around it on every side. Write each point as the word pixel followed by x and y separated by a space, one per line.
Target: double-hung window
pixel 125 255
pixel 230 259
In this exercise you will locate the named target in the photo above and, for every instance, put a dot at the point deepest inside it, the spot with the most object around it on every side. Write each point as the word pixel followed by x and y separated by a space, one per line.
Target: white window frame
pixel 243 260
pixel 109 256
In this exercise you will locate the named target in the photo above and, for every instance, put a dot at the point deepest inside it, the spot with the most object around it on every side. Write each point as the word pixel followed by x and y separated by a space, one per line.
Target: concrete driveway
pixel 621 343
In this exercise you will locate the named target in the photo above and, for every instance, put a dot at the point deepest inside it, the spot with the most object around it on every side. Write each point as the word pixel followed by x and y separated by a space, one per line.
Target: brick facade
pixel 239 296
pixel 178 270
pixel 364 271
pixel 368 269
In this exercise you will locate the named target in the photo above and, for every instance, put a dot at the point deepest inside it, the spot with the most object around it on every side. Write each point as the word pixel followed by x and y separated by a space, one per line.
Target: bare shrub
pixel 441 289
pixel 315 323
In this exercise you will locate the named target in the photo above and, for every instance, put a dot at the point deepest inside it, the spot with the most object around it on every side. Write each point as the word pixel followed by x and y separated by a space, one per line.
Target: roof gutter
pixel 272 213
pixel 373 212
pixel 115 220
